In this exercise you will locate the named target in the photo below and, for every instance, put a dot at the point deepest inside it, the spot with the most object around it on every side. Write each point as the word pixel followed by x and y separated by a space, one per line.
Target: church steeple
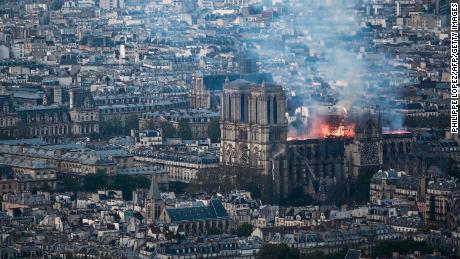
pixel 154 191
pixel 154 203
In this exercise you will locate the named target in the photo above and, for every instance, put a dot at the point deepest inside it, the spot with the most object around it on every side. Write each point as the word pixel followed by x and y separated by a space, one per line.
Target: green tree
pixel 321 255
pixel 185 132
pixel 45 188
pixel 360 188
pixel 131 122
pixel 70 185
pixel 107 80
pixel 214 130
pixel 127 184
pixel 297 197
pixel 243 230
pixel 177 187
pixel 215 231
pixel 278 251
pixel 94 182
pixel 228 178
pixel 111 127
pixel 386 248
pixel 167 129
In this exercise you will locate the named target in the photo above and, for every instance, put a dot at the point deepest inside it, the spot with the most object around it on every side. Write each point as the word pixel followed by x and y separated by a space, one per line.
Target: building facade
pixel 254 129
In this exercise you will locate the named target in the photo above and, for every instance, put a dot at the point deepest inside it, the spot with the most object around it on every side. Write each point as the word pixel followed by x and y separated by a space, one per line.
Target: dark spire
pixel 154 191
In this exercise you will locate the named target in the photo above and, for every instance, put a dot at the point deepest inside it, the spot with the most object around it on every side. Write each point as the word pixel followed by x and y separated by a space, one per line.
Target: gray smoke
pixel 343 70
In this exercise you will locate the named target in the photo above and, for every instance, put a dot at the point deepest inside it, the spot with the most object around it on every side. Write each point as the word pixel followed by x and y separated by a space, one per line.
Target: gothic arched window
pixel 242 109
pixel 257 110
pixel 268 111
pixel 229 107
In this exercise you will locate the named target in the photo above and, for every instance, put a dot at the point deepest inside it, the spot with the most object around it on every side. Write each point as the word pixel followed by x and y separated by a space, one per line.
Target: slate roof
pixel 353 254
pixel 215 210
pixel 216 82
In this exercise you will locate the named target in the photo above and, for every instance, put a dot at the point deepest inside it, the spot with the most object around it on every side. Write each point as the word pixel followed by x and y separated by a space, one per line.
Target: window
pixel 229 108
pixel 268 111
pixel 242 109
pixel 257 110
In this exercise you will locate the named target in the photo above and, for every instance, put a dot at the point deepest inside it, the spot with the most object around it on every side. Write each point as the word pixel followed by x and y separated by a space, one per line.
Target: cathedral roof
pixel 216 82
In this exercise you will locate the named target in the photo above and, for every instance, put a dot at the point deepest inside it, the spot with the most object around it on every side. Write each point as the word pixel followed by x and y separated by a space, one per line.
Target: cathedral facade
pixel 254 128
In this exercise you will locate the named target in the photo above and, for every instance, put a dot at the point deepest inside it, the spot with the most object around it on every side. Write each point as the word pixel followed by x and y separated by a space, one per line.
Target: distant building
pixel 50 122
pixel 438 194
pixel 198 220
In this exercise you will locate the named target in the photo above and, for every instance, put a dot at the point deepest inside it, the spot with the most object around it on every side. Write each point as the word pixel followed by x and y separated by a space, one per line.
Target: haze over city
pixel 262 129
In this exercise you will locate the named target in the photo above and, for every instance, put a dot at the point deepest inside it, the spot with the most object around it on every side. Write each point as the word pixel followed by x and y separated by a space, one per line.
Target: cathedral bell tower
pixel 254 129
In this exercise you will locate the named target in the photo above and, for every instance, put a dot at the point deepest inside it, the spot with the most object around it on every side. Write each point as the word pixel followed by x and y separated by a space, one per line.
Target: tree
pixel 127 184
pixel 215 231
pixel 228 178
pixel 360 188
pixel 185 132
pixel 94 182
pixel 386 248
pixel 321 255
pixel 111 127
pixel 107 80
pixel 177 187
pixel 297 197
pixel 167 129
pixel 131 122
pixel 214 130
pixel 244 230
pixel 278 251
pixel 45 188
pixel 71 185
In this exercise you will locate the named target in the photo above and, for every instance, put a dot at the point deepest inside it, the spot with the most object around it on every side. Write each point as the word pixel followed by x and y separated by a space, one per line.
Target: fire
pixel 396 131
pixel 327 130
pixel 340 131
pixel 332 125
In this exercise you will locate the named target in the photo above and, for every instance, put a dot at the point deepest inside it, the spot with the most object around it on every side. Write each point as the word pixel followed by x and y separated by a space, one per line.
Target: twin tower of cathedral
pixel 254 127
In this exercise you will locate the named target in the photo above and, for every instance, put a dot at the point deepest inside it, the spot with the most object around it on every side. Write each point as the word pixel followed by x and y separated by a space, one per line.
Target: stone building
pixel 83 113
pixel 254 135
pixel 254 129
pixel 8 183
pixel 51 122
pixel 198 220
pixel 154 204
pixel 198 120
pixel 365 151
pixel 438 195
pixel 181 166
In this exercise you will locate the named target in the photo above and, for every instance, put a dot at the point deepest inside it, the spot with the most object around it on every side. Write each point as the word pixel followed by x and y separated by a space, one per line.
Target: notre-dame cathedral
pixel 254 135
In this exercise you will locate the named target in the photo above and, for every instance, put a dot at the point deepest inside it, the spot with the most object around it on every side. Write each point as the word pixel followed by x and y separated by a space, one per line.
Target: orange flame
pixel 335 126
